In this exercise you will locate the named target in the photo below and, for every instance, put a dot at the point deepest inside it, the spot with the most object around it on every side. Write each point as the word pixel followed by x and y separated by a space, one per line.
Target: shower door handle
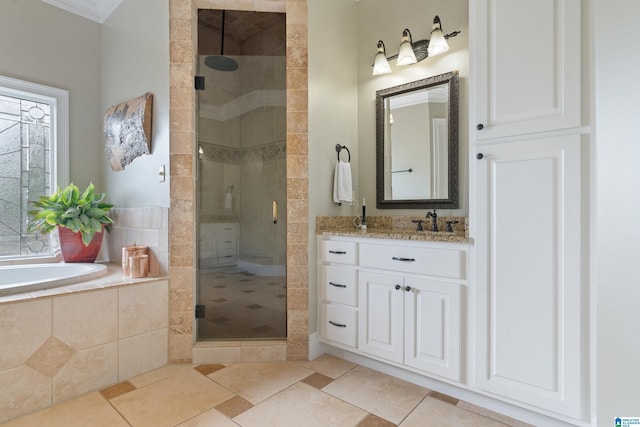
pixel 275 211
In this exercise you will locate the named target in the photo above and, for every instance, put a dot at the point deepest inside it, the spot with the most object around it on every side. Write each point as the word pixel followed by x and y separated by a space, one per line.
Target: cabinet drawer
pixel 409 259
pixel 339 324
pixel 228 256
pixel 227 241
pixel 227 227
pixel 339 284
pixel 340 252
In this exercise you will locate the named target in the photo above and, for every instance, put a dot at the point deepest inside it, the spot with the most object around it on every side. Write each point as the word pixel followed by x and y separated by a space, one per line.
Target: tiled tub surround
pixel 146 226
pixel 395 227
pixel 64 342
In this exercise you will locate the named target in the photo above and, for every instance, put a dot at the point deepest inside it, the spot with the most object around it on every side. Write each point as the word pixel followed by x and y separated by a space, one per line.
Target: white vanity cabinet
pixel 412 315
pixel 404 301
pixel 529 196
pixel 337 289
pixel 227 241
pixel 413 321
pixel 218 244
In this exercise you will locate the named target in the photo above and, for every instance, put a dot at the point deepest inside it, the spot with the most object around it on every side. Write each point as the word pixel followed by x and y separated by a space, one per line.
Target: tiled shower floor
pixel 241 305
pixel 325 392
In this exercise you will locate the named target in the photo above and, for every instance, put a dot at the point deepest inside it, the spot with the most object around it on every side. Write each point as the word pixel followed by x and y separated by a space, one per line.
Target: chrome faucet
pixel 434 221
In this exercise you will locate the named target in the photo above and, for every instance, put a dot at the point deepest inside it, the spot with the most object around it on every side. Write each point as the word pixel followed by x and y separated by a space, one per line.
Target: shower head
pixel 221 62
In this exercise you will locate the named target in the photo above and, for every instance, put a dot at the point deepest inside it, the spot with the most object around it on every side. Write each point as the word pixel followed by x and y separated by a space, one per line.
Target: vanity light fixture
pixel 380 64
pixel 411 52
pixel 406 55
pixel 437 43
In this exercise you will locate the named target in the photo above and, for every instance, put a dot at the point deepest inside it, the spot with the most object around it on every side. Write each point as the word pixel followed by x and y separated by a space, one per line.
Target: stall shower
pixel 241 191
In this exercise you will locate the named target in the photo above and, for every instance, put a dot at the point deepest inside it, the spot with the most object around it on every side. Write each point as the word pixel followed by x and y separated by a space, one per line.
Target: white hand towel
pixel 228 201
pixel 342 187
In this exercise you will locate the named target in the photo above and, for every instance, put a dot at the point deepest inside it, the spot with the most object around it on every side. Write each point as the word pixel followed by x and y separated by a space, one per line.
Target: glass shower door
pixel 242 179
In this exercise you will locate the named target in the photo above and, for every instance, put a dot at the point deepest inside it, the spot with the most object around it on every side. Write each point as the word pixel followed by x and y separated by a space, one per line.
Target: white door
pixel 381 315
pixel 526 63
pixel 432 327
pixel 528 272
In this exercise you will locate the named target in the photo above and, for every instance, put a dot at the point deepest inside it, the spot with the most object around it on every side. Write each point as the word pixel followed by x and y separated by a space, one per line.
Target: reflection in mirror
pixel 417 144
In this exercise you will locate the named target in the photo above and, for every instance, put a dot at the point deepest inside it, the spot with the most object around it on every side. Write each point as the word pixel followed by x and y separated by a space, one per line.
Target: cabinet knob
pixel 480 126
pixel 479 156
pixel 398 287
pixel 407 288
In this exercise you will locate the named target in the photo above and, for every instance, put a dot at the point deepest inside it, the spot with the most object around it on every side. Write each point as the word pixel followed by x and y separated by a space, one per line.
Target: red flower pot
pixel 73 250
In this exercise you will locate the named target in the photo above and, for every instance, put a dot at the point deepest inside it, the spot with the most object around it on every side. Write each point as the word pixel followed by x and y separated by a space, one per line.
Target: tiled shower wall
pixel 183 43
pixel 242 133
pixel 257 177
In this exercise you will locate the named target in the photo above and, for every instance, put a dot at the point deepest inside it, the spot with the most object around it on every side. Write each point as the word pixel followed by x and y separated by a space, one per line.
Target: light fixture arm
pixel 451 34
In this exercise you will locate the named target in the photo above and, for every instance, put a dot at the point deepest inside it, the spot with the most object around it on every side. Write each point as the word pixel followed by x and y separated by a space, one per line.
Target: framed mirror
pixel 417 144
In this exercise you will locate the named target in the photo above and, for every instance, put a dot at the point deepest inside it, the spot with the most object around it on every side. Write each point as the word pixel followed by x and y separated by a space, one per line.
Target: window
pixel 33 159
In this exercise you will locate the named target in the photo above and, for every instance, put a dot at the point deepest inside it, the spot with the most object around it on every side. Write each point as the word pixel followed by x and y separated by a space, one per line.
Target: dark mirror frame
pixel 452 126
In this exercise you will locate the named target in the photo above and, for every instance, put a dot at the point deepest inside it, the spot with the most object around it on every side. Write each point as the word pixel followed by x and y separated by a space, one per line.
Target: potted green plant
pixel 79 219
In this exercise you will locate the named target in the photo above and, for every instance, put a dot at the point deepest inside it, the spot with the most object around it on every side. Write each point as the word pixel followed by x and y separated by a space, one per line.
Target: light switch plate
pixel 161 173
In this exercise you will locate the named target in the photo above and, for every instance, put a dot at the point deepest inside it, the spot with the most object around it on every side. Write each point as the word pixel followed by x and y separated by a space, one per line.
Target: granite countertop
pixel 398 234
pixel 398 228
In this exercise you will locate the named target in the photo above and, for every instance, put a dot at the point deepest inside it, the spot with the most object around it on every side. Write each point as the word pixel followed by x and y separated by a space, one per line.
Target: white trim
pixel 59 121
pixel 316 347
pixel 95 11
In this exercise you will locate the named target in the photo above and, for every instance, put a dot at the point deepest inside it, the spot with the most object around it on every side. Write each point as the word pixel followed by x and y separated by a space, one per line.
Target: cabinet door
pixel 528 272
pixel 526 66
pixel 432 327
pixel 381 315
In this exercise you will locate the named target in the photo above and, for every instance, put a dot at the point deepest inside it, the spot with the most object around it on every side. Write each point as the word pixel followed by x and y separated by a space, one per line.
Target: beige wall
pixel 44 44
pixel 333 107
pixel 135 60
pixel 342 96
pixel 385 20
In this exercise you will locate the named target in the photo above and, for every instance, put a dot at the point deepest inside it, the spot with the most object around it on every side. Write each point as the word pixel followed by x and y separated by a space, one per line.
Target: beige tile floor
pixel 325 392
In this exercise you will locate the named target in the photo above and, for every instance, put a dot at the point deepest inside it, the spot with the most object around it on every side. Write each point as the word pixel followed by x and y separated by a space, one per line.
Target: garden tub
pixel 17 279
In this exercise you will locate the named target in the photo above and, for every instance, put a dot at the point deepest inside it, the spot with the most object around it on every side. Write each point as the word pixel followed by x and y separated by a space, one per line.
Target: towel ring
pixel 339 148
